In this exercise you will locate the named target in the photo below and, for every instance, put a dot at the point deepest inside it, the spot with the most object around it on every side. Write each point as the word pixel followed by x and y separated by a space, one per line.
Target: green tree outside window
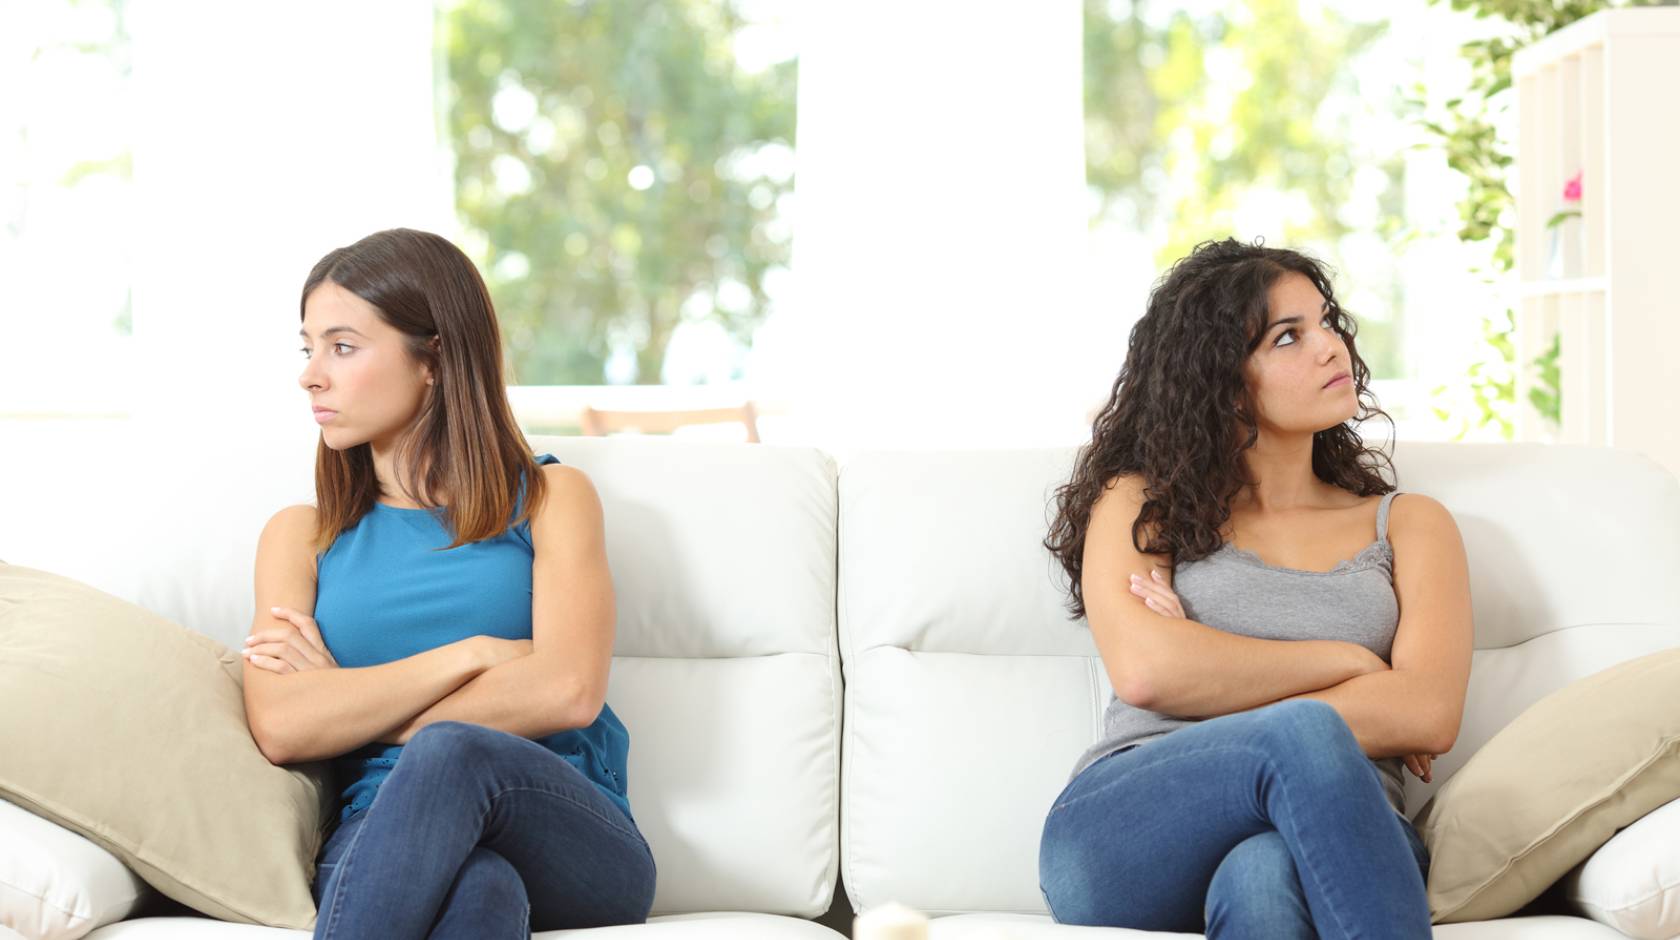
pixel 620 171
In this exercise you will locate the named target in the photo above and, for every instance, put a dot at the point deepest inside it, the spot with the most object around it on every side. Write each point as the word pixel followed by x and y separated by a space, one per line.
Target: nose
pixel 312 377
pixel 1329 344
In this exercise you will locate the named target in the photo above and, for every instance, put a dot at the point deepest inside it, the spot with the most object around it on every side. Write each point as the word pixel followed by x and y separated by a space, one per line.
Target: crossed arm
pixel 302 706
pixel 1410 707
pixel 1417 705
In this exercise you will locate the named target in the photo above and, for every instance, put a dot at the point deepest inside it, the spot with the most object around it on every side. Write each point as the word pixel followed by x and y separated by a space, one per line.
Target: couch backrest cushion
pixel 725 669
pixel 969 694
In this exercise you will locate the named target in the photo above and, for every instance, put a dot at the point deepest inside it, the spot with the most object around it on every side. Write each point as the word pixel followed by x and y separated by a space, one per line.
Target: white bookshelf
pixel 1601 97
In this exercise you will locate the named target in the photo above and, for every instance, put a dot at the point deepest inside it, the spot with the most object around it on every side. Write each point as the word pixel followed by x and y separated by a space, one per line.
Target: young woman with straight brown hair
pixel 440 625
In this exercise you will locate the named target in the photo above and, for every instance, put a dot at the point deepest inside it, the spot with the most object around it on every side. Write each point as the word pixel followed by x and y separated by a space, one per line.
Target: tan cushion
pixel 130 730
pixel 1552 786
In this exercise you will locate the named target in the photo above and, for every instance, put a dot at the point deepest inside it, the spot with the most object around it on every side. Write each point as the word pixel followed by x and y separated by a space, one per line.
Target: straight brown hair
pixel 465 442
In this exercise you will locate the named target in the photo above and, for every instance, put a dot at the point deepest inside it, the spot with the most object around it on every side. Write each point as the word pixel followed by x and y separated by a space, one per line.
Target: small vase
pixel 1554 253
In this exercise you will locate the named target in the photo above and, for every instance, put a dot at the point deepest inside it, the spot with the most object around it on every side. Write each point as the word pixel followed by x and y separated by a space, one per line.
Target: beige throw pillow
pixel 130 730
pixel 1553 786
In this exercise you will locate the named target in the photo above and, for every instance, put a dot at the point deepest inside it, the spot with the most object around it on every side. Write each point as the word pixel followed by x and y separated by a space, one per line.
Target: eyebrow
pixel 330 331
pixel 1288 320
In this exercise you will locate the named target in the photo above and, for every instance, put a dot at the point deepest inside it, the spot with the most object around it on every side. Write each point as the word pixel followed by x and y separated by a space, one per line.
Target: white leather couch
pixel 750 579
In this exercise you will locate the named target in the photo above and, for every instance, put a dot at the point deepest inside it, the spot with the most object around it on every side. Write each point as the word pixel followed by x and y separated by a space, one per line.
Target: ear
pixel 436 344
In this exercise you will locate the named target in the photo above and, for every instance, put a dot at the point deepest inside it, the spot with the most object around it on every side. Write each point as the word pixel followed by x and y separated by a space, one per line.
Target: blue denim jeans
pixel 481 833
pixel 1268 823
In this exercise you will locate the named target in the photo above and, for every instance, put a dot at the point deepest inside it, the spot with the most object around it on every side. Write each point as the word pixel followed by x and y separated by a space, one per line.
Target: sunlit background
pixel 879 223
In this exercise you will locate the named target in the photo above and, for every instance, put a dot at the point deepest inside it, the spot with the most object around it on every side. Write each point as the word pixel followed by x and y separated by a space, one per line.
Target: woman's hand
pixel 295 646
pixel 1157 595
pixel 1419 764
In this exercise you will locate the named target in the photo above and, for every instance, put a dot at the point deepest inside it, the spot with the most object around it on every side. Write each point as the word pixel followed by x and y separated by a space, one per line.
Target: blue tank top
pixel 385 593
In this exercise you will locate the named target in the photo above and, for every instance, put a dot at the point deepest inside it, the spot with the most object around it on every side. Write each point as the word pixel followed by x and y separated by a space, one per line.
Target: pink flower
pixel 1572 189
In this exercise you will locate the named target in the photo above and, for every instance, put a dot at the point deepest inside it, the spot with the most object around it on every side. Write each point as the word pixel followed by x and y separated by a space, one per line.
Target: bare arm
pixel 1176 666
pixel 319 713
pixel 1416 707
pixel 563 682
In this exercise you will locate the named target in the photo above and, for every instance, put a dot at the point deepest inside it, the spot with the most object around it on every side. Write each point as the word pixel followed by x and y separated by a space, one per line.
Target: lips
pixel 323 415
pixel 1340 379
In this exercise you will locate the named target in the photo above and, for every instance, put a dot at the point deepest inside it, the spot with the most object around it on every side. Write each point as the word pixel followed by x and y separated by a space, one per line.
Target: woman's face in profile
pixel 1300 376
pixel 362 383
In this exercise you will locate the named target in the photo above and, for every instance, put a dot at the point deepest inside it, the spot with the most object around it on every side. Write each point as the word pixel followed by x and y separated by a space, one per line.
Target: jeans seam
pixel 1047 905
pixel 580 804
pixel 1333 903
pixel 1173 755
pixel 338 883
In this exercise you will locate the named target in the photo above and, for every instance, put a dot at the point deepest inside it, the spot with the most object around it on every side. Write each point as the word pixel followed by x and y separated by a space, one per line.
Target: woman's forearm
pixel 1190 670
pixel 323 713
pixel 1392 713
pixel 530 696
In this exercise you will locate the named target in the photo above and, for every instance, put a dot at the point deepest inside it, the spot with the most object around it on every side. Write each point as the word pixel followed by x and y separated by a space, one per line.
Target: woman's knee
pixel 488 876
pixel 455 742
pixel 1309 731
pixel 487 899
pixel 1256 891
pixel 1259 863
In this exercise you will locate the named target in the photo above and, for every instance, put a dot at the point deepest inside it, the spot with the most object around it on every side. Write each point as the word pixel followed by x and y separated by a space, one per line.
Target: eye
pixel 304 350
pixel 345 347
pixel 1288 334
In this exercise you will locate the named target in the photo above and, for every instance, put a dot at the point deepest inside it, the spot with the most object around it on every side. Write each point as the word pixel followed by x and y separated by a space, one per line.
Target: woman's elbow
pixel 1134 687
pixel 273 746
pixel 1445 736
pixel 1443 731
pixel 578 705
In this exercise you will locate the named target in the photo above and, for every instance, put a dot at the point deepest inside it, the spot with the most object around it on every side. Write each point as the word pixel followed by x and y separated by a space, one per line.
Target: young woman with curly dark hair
pixel 1274 665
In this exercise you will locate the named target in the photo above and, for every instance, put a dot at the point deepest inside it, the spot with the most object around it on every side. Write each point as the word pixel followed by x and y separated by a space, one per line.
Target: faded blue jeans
pixel 1268 823
pixel 481 833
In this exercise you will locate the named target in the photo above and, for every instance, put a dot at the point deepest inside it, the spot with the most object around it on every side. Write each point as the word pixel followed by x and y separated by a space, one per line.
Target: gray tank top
pixel 1233 590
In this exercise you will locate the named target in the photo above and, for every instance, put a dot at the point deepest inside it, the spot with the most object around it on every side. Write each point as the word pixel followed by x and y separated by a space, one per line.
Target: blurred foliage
pixel 1488 209
pixel 1546 394
pixel 622 172
pixel 1492 381
pixel 1176 141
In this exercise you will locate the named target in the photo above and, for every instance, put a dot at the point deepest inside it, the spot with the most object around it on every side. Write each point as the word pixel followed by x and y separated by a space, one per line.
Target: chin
pixel 1338 421
pixel 337 439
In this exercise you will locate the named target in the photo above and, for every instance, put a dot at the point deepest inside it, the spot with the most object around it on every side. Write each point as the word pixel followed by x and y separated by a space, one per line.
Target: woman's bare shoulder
pixel 293 520
pixel 289 538
pixel 569 500
pixel 1416 517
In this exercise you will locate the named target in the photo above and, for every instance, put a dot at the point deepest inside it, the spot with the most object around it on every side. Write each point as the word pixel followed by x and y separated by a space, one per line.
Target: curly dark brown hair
pixel 1177 406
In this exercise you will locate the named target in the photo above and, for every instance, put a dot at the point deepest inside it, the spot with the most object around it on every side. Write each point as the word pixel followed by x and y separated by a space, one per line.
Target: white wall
pixel 265 137
pixel 940 233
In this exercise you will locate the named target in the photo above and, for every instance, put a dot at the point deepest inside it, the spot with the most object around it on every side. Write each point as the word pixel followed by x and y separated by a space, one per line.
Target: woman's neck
pixel 390 477
pixel 1281 468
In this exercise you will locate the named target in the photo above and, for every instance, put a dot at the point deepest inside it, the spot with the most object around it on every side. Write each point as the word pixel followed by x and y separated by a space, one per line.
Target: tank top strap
pixel 1382 516
pixel 523 529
